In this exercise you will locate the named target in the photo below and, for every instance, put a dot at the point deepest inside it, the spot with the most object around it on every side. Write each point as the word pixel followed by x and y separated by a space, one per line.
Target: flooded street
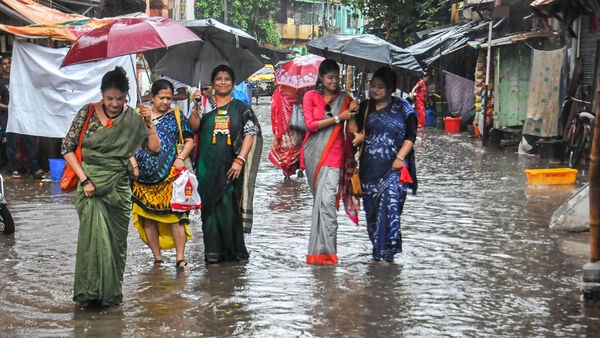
pixel 478 260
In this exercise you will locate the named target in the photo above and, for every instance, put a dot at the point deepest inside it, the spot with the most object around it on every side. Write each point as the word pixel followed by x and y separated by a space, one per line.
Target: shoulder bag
pixel 69 180
pixel 297 120
pixel 355 186
pixel 187 161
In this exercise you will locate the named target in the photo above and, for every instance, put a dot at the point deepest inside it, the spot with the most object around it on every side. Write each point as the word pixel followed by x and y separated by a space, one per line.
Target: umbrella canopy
pixel 127 36
pixel 300 72
pixel 221 44
pixel 365 51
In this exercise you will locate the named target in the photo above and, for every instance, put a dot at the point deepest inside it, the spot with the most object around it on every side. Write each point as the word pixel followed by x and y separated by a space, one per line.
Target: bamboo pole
pixel 594 174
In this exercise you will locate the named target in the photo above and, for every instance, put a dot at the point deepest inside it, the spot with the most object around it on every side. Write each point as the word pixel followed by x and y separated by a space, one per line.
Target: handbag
pixel 297 120
pixel 355 186
pixel 185 196
pixel 69 180
pixel 187 162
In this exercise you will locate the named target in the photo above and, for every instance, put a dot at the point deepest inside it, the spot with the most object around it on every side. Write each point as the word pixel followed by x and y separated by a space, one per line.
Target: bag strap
pixel 364 129
pixel 91 109
pixel 178 118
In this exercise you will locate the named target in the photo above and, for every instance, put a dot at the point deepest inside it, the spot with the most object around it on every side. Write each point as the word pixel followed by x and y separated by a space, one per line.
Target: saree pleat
pixel 104 218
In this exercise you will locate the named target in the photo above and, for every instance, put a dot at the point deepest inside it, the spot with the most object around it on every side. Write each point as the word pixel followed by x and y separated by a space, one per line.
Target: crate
pixel 551 176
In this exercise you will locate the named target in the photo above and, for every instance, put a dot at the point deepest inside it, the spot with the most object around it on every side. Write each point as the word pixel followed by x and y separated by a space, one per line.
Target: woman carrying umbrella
pixel 287 142
pixel 229 146
pixel 328 158
pixel 103 199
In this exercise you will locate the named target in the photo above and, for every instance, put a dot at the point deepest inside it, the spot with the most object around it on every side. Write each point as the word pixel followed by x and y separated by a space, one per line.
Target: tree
pixel 398 20
pixel 108 8
pixel 253 16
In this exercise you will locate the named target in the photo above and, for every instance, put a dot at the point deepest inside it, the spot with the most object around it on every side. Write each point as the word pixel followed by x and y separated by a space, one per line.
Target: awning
pixel 444 41
pixel 39 14
pixel 507 40
pixel 65 31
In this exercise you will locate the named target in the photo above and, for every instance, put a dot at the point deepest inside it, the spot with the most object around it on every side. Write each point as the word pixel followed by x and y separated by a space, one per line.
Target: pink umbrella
pixel 128 36
pixel 300 72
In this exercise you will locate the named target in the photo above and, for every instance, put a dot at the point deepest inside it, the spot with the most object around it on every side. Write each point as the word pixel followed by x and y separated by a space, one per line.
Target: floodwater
pixel 478 260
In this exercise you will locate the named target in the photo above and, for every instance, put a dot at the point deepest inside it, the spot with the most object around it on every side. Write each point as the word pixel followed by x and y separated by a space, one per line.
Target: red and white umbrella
pixel 128 36
pixel 300 72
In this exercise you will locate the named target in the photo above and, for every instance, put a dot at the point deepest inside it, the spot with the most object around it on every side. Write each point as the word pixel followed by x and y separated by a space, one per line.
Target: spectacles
pixel 327 108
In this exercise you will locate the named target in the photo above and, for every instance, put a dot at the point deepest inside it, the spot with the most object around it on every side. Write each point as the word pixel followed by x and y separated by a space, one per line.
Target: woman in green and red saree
pixel 103 198
pixel 328 159
pixel 229 146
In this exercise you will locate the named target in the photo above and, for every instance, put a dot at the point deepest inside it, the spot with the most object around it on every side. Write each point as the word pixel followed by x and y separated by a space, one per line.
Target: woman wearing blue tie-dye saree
pixel 387 162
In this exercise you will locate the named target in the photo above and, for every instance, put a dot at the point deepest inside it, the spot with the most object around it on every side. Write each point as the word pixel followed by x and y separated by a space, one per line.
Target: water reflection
pixel 478 260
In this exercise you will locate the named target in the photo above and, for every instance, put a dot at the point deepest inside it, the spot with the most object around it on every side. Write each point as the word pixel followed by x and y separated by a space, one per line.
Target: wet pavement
pixel 478 260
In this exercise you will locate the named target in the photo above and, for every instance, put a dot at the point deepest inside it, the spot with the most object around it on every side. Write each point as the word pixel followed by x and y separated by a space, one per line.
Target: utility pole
pixel 225 11
pixel 591 270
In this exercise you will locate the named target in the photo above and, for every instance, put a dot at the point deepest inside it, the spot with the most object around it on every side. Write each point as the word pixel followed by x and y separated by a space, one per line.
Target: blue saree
pixel 383 194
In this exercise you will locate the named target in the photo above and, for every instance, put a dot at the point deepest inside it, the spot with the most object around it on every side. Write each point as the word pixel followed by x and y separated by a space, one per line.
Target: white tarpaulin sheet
pixel 44 98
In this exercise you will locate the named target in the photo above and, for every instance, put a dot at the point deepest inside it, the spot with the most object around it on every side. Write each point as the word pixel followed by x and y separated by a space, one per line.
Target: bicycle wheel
pixel 6 220
pixel 569 138
pixel 576 149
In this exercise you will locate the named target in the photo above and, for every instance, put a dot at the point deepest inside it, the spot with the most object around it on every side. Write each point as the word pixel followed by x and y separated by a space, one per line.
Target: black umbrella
pixel 194 62
pixel 365 51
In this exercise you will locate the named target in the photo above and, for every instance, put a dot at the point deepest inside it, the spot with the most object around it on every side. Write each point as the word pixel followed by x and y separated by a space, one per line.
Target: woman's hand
pixel 179 163
pixel 146 113
pixel 397 164
pixel 358 139
pixel 89 190
pixel 136 173
pixel 235 170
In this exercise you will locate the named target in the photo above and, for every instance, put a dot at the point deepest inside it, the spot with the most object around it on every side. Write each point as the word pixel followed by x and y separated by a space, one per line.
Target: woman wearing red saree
pixel 328 159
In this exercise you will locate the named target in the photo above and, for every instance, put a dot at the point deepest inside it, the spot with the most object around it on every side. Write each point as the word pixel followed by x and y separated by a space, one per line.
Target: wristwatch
pixel 337 119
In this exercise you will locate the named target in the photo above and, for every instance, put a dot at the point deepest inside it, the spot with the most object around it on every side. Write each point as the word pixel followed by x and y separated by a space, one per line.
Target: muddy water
pixel 478 260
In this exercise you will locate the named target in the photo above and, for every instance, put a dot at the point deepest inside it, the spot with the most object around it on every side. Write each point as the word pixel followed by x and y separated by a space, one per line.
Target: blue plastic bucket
pixel 430 118
pixel 57 166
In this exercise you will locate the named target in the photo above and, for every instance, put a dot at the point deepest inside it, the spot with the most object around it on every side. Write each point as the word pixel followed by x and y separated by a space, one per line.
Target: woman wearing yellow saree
pixel 103 197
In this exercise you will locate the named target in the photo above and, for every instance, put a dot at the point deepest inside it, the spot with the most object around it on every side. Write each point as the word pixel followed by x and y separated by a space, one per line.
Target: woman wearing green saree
pixel 103 197
pixel 229 146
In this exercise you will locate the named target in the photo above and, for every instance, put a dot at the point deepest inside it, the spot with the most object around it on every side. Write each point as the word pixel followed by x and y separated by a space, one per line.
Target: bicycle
pixel 578 136
pixel 7 224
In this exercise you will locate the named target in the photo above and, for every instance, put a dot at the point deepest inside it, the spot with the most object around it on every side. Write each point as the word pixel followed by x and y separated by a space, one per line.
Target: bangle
pixel 237 160
pixel 148 124
pixel 180 158
pixel 400 158
pixel 134 165
pixel 241 158
pixel 336 119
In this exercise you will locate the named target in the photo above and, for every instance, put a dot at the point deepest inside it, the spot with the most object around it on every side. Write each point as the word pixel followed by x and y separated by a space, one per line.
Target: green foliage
pixel 253 16
pixel 399 20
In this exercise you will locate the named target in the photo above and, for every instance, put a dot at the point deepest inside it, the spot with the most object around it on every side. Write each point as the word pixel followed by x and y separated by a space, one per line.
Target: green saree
pixel 226 205
pixel 104 218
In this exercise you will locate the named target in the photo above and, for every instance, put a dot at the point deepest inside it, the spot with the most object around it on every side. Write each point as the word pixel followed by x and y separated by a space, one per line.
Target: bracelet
pixel 148 124
pixel 241 158
pixel 180 158
pixel 238 161
pixel 134 166
pixel 86 181
pixel 400 158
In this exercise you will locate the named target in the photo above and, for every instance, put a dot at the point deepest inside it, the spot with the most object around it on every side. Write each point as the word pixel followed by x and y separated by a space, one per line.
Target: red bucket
pixel 452 124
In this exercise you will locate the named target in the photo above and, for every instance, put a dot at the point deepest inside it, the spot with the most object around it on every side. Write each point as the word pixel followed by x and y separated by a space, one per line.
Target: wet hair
pixel 222 68
pixel 116 78
pixel 326 66
pixel 161 84
pixel 388 76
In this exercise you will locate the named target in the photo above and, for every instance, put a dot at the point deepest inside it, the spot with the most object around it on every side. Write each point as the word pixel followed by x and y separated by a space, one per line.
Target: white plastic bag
pixel 185 192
